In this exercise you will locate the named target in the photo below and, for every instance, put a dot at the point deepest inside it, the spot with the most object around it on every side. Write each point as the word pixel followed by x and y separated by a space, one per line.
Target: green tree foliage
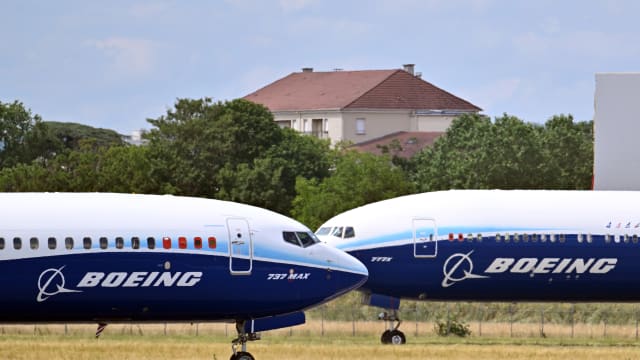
pixel 508 153
pixel 72 134
pixel 232 151
pixel 357 179
pixel 568 153
pixel 23 136
pixel 91 168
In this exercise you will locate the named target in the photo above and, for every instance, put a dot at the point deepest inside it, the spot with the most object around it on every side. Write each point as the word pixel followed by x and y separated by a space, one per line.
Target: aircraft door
pixel 425 235
pixel 240 246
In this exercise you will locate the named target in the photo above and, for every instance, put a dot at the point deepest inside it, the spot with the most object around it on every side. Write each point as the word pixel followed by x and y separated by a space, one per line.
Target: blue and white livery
pixel 493 245
pixel 95 257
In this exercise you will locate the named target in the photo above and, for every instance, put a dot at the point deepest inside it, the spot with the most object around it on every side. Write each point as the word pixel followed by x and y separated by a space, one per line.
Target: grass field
pixel 208 341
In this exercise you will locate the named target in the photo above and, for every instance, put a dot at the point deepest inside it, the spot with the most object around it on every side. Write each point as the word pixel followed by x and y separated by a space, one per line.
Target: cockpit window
pixel 302 239
pixel 323 231
pixel 290 237
pixel 349 232
pixel 337 231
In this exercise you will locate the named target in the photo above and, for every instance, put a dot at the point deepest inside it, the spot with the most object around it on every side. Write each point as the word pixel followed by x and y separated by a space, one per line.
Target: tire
pixel 386 337
pixel 397 337
pixel 242 355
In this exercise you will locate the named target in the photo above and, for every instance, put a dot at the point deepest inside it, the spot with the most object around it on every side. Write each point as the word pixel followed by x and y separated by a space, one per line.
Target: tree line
pixel 234 150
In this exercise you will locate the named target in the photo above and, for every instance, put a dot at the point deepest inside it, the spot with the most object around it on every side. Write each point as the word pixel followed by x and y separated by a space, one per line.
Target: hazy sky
pixel 115 63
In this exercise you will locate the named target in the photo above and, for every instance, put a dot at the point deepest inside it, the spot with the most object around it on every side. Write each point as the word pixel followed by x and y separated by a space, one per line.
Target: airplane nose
pixel 350 272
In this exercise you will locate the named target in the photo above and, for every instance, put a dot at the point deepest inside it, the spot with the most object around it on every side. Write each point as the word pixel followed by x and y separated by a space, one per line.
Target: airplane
pixel 111 258
pixel 493 245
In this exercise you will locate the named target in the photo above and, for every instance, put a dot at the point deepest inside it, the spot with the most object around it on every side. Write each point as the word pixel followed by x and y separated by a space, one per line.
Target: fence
pixel 347 318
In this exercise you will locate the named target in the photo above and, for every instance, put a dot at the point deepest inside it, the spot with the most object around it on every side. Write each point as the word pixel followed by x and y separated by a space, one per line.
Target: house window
pixel 360 126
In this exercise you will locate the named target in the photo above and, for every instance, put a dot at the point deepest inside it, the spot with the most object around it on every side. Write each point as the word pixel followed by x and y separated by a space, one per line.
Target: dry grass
pixel 212 341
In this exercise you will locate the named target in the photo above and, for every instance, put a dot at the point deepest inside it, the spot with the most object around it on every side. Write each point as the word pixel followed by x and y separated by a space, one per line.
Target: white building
pixel 359 106
pixel 616 131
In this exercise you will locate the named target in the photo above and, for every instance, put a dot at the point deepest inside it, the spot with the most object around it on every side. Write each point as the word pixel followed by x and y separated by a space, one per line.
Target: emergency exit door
pixel 425 237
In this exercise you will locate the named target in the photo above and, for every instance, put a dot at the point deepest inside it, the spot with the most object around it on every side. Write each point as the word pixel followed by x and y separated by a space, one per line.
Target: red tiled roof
pixel 366 89
pixel 411 142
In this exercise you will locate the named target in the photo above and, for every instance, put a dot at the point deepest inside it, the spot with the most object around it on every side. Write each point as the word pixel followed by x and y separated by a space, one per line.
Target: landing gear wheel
pixel 386 337
pixel 242 355
pixel 397 337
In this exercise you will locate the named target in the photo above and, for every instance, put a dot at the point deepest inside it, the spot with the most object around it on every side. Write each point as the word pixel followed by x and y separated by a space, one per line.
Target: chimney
pixel 408 68
pixel 307 69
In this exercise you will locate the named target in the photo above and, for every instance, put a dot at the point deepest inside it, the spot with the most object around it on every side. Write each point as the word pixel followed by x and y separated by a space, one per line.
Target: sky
pixel 114 64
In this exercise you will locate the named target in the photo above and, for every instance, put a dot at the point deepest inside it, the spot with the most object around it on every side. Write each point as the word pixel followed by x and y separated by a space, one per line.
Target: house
pixel 359 106
pixel 402 144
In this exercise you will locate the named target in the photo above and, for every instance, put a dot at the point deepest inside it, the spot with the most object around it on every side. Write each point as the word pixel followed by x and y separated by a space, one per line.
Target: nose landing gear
pixel 392 335
pixel 241 340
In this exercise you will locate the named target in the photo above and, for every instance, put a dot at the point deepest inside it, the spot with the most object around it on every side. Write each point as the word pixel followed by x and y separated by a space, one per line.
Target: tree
pixel 458 160
pixel 71 134
pixel 568 153
pixel 508 153
pixel 23 136
pixel 358 179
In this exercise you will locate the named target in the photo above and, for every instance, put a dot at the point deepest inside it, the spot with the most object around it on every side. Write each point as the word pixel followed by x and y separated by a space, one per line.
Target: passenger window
pixel 607 238
pixel 534 238
pixel 17 243
pixel 182 242
pixel 552 237
pixel 635 239
pixel 563 237
pixel 212 242
pixel 589 238
pixel 626 238
pixel 349 232
pixel 166 242
pixel 135 242
pixel 68 243
pixel 151 243
pixel 516 237
pixel 507 238
pixel 498 238
pixel 119 242
pixel 104 243
pixel 290 237
pixel 1 243
pixel 526 237
pixel 579 237
pixel 197 242
pixel 52 243
pixel 470 237
pixel 479 237
pixel 86 243
pixel 543 238
pixel 34 243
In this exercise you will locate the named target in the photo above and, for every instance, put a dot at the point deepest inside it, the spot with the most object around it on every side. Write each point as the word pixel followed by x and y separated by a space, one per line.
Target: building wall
pixel 377 124
pixel 433 123
pixel 616 128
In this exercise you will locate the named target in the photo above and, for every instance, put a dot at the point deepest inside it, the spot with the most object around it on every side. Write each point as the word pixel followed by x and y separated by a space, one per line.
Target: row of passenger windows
pixel 119 243
pixel 581 238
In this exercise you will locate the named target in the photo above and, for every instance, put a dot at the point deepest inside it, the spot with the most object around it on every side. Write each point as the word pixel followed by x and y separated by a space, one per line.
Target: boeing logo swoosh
pixel 451 273
pixel 51 282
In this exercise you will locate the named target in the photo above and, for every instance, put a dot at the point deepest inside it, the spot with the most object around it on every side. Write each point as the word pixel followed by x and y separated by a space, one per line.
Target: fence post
pixel 416 308
pixel 322 310
pixel 480 320
pixel 636 324
pixel 448 319
pixel 542 322
pixel 573 311
pixel 511 310
pixel 353 320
